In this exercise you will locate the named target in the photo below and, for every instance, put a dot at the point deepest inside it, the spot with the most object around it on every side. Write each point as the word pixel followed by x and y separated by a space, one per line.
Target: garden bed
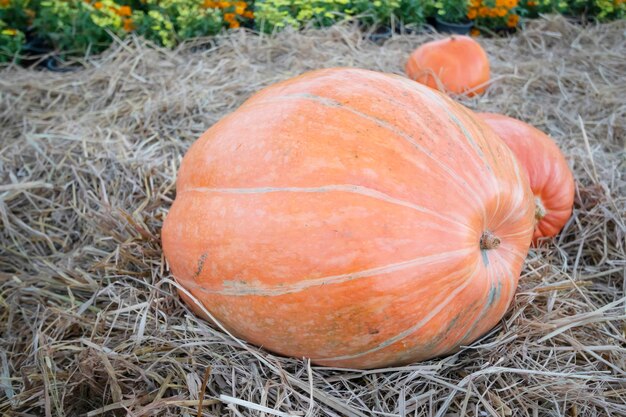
pixel 90 320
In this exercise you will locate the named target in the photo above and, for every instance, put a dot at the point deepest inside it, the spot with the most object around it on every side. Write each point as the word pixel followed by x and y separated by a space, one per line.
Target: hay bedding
pixel 89 319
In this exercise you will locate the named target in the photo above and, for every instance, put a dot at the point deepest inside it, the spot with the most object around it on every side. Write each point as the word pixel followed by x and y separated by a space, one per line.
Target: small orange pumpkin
pixel 550 177
pixel 352 217
pixel 457 63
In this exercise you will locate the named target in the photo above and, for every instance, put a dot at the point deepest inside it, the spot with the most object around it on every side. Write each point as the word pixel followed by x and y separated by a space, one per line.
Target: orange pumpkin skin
pixel 339 216
pixel 551 179
pixel 459 62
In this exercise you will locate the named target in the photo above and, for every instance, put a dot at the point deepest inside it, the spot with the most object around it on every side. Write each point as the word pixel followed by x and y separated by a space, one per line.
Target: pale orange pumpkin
pixel 352 217
pixel 550 177
pixel 457 63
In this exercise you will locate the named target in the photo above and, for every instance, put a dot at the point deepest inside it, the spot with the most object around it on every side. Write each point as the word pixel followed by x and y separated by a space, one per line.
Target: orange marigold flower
pixel 124 11
pixel 223 4
pixel 501 3
pixel 210 4
pixel 502 12
pixel 472 13
pixel 513 3
pixel 230 17
pixel 512 20
pixel 248 14
pixel 474 32
pixel 475 3
pixel 234 25
pixel 483 11
pixel 128 25
pixel 98 5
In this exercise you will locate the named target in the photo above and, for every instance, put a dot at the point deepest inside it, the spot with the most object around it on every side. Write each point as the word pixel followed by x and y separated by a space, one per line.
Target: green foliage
pixel 167 22
pixel 453 11
pixel 11 42
pixel 600 10
pixel 277 14
pixel 75 26
pixel 273 15
pixel 374 12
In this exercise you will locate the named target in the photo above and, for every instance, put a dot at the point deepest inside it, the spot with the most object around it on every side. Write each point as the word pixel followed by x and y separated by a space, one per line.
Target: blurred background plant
pixel 493 15
pixel 452 11
pixel 271 15
pixel 585 10
pixel 79 27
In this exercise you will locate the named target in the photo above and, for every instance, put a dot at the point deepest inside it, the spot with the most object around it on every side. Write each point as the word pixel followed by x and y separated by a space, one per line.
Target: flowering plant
pixel 494 14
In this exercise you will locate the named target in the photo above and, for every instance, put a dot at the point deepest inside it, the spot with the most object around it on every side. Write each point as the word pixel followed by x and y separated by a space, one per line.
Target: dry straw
pixel 90 323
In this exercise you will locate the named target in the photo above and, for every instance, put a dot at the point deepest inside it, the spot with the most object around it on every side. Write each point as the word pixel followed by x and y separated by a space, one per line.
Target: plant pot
pixel 380 35
pixel 54 64
pixel 448 27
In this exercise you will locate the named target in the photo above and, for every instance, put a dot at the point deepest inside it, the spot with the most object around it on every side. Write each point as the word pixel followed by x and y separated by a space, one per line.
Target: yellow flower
pixel 128 25
pixel 239 9
pixel 472 13
pixel 124 11
pixel 512 20
pixel 9 32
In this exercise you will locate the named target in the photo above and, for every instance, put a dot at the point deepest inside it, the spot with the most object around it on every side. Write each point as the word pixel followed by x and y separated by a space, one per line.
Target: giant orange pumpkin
pixel 551 180
pixel 352 217
pixel 457 63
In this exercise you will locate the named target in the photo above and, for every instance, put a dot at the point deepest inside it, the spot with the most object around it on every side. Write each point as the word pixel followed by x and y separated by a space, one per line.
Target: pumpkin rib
pixel 305 284
pixel 413 328
pixel 383 124
pixel 348 188
pixel 470 138
pixel 486 304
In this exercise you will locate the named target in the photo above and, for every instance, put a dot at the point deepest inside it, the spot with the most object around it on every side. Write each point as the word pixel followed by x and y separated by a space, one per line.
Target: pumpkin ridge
pixel 348 188
pixel 232 288
pixel 470 139
pixel 485 303
pixel 464 185
pixel 411 329
pixel 439 101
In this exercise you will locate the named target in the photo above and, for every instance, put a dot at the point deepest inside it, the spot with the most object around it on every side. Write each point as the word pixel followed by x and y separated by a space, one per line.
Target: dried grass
pixel 89 320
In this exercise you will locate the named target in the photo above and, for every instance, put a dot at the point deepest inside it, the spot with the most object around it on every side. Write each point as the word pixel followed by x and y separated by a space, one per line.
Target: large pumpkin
pixel 457 63
pixel 551 180
pixel 352 217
